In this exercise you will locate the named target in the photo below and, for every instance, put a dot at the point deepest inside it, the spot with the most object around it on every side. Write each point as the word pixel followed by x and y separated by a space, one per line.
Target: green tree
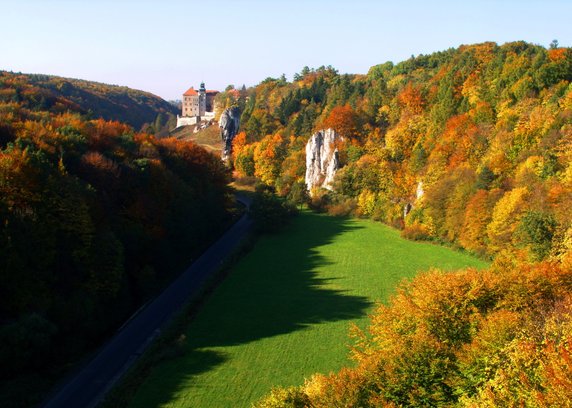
pixel 298 194
pixel 553 44
pixel 537 230
pixel 269 212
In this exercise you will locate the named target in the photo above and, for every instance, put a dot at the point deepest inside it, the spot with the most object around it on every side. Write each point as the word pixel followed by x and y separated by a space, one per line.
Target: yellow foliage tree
pixel 268 156
pixel 506 215
pixel 366 202
pixel 478 214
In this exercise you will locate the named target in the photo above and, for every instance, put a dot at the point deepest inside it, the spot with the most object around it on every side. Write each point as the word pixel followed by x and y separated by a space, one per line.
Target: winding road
pixel 87 387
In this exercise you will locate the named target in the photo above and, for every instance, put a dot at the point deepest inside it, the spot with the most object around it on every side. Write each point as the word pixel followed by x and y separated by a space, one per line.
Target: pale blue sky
pixel 166 46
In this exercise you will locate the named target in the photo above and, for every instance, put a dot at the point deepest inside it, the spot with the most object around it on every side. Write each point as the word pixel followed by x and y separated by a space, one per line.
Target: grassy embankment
pixel 209 138
pixel 285 310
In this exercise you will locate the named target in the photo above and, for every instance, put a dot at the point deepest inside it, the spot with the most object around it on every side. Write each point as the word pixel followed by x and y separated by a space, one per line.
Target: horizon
pixel 138 44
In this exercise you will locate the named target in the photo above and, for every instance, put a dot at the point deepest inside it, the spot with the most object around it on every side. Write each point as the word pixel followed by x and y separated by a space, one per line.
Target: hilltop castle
pixel 197 105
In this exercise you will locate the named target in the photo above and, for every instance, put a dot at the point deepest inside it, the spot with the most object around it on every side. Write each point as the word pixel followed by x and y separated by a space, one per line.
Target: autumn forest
pixel 486 131
pixel 99 211
pixel 484 128
pixel 96 218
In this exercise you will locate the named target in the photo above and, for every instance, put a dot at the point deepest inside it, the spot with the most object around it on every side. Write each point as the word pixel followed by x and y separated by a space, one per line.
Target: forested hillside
pixel 486 129
pixel 95 217
pixel 478 140
pixel 110 102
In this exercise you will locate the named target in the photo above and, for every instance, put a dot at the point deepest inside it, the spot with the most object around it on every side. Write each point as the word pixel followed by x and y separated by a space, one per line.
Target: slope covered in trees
pixel 110 102
pixel 94 218
pixel 485 128
pixel 485 133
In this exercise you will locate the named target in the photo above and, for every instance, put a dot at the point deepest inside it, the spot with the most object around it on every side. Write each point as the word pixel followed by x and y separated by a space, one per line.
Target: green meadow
pixel 284 311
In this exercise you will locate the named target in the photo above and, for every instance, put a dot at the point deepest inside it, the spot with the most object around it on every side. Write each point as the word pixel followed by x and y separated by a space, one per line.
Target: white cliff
pixel 322 160
pixel 420 191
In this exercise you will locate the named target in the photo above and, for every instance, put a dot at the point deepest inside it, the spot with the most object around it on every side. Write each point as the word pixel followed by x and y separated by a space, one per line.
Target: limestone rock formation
pixel 419 193
pixel 229 123
pixel 322 159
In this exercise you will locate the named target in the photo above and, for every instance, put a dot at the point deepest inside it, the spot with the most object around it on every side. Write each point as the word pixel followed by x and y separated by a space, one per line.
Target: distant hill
pixel 111 102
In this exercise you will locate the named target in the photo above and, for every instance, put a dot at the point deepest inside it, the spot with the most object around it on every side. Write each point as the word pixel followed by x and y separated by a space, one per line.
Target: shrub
pixel 343 207
pixel 416 232
pixel 291 397
pixel 319 199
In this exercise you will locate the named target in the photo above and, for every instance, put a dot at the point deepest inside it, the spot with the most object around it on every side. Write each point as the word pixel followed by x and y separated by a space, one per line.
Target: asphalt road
pixel 90 384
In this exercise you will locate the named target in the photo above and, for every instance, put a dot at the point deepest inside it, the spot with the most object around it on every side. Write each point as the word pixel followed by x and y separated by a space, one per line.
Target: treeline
pixel 142 110
pixel 94 218
pixel 482 131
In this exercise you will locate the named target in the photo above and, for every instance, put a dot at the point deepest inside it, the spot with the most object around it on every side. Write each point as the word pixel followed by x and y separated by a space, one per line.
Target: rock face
pixel 229 122
pixel 420 192
pixel 418 196
pixel 322 159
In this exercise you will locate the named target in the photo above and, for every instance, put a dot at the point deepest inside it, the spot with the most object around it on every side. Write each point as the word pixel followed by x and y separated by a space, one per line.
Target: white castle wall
pixel 186 120
pixel 193 120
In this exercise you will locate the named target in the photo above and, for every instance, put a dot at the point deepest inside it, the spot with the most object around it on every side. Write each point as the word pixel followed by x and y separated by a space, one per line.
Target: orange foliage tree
pixel 411 98
pixel 478 215
pixel 268 156
pixel 344 120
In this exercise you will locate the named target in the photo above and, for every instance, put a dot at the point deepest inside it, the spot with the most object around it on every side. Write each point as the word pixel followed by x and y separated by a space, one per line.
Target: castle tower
pixel 202 99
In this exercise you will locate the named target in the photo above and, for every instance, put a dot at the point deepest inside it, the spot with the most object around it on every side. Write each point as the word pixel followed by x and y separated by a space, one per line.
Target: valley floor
pixel 285 310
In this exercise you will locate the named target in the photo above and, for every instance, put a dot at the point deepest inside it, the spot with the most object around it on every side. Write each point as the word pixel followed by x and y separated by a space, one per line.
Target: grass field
pixel 284 311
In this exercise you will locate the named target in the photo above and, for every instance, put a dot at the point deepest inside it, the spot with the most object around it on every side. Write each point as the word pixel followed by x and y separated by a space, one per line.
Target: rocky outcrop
pixel 228 123
pixel 419 193
pixel 322 159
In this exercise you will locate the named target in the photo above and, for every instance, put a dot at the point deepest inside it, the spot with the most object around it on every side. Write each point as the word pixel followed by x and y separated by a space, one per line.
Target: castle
pixel 197 105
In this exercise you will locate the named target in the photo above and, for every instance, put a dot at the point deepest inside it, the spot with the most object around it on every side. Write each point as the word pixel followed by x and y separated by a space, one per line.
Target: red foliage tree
pixel 343 119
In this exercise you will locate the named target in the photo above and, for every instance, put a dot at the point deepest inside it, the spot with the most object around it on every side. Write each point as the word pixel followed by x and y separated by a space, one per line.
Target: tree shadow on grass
pixel 273 291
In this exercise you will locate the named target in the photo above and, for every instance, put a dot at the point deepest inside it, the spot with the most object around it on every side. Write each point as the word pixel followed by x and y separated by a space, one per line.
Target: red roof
pixel 191 92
